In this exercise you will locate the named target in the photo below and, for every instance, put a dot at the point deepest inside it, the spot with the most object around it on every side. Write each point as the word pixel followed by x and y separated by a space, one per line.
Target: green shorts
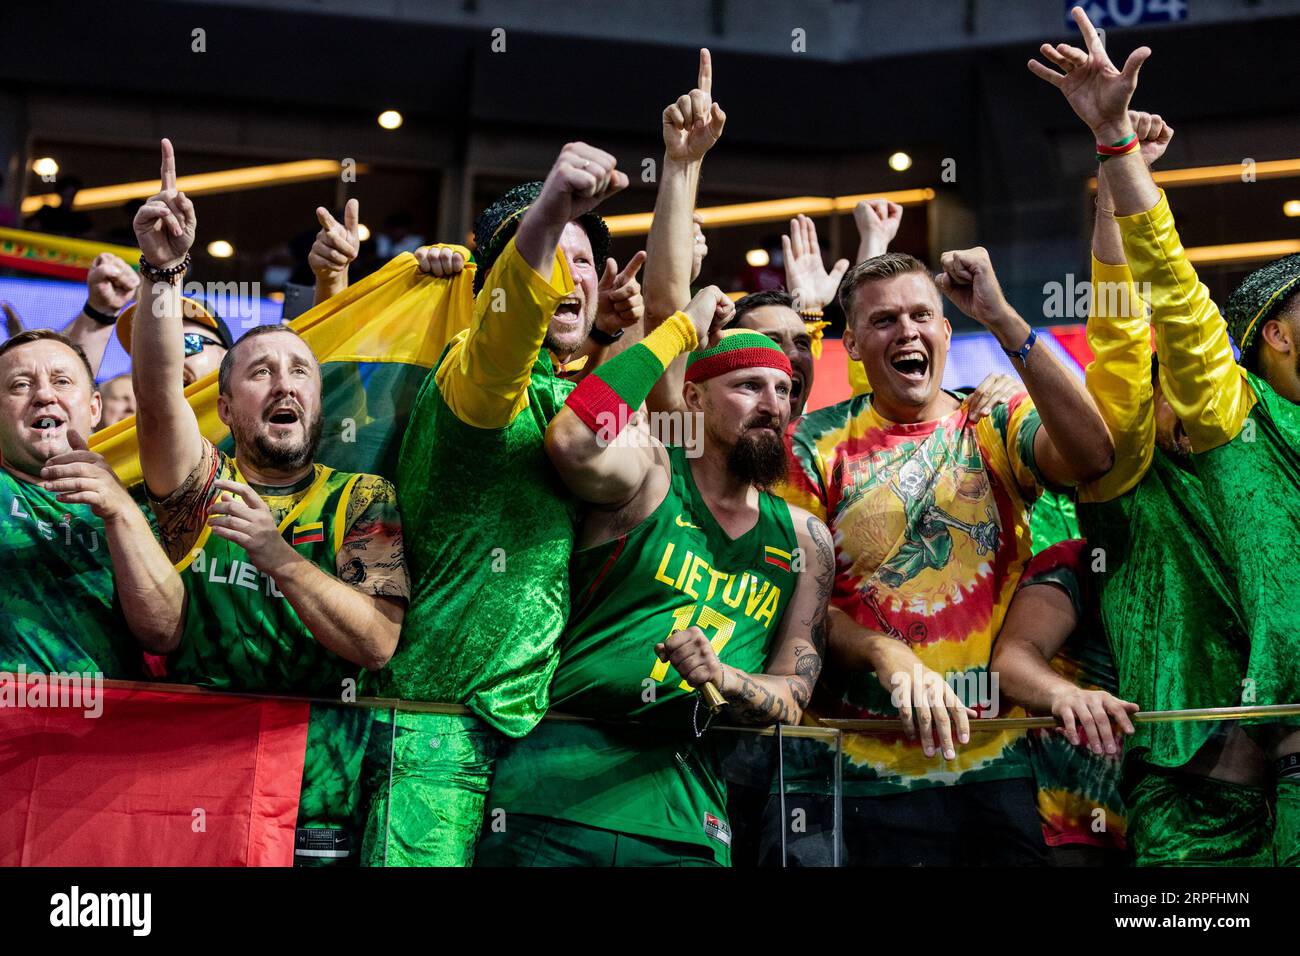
pixel 428 800
pixel 331 808
pixel 1184 819
pixel 521 839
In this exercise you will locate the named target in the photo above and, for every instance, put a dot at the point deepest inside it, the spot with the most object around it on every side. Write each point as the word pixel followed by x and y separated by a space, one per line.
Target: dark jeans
pixel 975 824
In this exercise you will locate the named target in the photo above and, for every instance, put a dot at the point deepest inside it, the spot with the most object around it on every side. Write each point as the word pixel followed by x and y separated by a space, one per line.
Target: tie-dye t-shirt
pixel 1078 790
pixel 931 529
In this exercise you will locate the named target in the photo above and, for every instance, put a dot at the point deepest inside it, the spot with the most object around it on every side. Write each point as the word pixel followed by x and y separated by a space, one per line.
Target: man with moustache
pixel 681 561
pixel 293 572
pixel 930 514
pixel 83 572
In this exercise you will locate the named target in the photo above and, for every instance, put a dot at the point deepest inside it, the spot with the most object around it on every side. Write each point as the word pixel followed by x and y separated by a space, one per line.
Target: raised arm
pixel 779 694
pixel 1119 334
pixel 110 285
pixel 691 126
pixel 877 221
pixel 335 248
pixel 583 440
pixel 1199 375
pixel 1073 444
pixel 484 377
pixel 171 445
pixel 806 278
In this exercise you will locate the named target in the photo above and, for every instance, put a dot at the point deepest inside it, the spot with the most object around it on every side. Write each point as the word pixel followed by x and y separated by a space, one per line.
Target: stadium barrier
pixel 113 773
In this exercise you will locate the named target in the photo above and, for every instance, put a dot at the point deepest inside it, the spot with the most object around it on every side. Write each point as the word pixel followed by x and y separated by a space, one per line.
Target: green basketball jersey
pixel 677 568
pixel 61 613
pixel 241 633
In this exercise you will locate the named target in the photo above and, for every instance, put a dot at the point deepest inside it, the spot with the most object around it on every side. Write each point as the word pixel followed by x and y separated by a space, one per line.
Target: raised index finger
pixel 168 165
pixel 630 270
pixel 705 81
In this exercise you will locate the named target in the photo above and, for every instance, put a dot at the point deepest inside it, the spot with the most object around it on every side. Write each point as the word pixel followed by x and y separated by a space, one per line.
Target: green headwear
pixel 1259 297
pixel 497 224
pixel 739 348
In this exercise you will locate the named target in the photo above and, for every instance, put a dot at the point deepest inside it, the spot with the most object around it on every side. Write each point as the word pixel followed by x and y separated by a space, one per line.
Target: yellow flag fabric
pixel 395 315
pixel 858 377
pixel 56 255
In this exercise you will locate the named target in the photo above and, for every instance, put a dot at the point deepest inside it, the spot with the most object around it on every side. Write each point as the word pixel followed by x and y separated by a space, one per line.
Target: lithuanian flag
pixel 309 533
pixel 777 557
pixel 376 341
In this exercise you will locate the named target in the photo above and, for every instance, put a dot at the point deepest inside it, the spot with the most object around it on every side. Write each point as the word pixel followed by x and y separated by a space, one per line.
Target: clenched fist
pixel 441 262
pixel 692 656
pixel 969 282
pixel 582 178
pixel 110 284
pixel 709 312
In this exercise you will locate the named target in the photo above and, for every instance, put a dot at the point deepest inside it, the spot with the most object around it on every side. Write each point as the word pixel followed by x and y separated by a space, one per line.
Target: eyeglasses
pixel 195 343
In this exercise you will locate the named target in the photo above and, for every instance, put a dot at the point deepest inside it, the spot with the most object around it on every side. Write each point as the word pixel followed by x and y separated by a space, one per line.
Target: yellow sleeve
pixel 1198 374
pixel 485 374
pixel 1119 378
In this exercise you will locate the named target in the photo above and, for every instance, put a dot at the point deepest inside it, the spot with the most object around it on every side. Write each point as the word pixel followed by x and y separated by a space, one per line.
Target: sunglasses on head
pixel 195 343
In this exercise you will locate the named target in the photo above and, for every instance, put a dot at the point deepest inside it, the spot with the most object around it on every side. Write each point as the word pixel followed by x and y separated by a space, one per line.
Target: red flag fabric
pixel 162 777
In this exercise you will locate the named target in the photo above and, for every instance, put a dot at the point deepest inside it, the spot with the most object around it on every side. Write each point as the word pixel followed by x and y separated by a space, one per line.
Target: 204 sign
pixel 1127 13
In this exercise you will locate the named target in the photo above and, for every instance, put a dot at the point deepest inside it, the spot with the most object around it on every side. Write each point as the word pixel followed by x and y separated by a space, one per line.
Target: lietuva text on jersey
pixel 689 572
pixel 240 574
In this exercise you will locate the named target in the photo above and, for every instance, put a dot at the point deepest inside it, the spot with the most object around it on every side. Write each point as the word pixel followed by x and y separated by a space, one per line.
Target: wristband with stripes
pixel 606 398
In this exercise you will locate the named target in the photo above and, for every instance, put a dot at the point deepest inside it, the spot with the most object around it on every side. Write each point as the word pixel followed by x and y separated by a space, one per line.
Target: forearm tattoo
pixel 808 657
pixel 758 705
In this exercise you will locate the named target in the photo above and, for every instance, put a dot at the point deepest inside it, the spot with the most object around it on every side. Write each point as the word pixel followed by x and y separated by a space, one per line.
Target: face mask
pixel 277 276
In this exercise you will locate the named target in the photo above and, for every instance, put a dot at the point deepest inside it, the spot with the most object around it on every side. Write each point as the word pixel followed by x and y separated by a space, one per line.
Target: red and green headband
pixel 739 348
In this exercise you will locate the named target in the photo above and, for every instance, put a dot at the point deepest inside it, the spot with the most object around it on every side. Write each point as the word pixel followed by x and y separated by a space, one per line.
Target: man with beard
pixel 1243 421
pixel 82 570
pixel 688 563
pixel 293 572
pixel 931 519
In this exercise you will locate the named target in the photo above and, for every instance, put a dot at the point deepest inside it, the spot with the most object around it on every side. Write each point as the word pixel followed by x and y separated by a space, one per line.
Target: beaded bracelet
pixel 154 274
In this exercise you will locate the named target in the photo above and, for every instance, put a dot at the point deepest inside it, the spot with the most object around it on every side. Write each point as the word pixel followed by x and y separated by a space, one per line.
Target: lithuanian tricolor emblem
pixel 776 556
pixel 309 533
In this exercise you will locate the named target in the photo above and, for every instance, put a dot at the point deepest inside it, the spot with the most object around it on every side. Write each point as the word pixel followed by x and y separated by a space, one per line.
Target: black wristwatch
pixel 604 338
pixel 102 318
